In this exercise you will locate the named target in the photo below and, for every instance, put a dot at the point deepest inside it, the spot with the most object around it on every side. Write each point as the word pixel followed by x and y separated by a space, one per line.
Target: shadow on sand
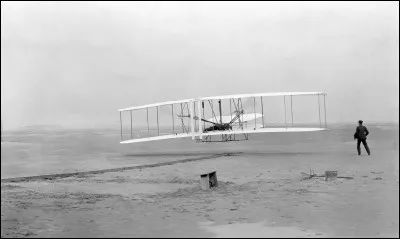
pixel 66 175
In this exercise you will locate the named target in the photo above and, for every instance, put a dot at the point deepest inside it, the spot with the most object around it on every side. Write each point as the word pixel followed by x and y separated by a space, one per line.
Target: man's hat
pixel 360 121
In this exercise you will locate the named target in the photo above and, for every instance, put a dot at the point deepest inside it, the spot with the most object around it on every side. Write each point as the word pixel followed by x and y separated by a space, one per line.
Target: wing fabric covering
pixel 195 117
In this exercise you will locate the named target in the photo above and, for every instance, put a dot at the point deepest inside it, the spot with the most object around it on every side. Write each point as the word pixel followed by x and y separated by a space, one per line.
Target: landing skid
pixel 224 138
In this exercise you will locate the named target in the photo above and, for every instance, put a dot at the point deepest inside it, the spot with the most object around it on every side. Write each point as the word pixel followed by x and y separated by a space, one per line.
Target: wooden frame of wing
pixel 199 133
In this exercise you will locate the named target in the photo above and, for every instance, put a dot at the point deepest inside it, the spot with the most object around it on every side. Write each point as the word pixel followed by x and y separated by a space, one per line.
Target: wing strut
pixel 148 127
pixel 183 124
pixel 291 108
pixel 131 124
pixel 262 111
pixel 158 125
pixel 255 115
pixel 199 123
pixel 120 120
pixel 230 107
pixel 202 105
pixel 212 109
pixel 173 123
pixel 326 124
pixel 194 115
pixel 241 107
pixel 220 111
pixel 284 102
pixel 237 110
pixel 319 112
pixel 192 125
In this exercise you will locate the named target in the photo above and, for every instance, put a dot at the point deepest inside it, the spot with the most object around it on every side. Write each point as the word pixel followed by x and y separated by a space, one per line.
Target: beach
pixel 153 189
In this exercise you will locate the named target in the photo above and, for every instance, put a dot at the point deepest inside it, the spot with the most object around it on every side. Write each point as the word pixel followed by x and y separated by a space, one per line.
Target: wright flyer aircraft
pixel 223 118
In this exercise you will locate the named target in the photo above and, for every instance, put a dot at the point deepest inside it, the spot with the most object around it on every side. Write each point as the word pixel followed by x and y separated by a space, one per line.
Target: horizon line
pixel 117 126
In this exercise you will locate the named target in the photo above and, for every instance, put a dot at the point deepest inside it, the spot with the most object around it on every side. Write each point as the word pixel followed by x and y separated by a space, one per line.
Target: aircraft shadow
pixel 227 153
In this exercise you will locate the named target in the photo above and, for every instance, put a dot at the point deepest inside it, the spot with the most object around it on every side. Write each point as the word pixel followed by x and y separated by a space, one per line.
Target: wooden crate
pixel 209 180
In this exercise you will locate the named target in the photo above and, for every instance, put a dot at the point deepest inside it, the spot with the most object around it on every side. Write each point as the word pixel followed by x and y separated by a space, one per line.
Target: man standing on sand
pixel 361 136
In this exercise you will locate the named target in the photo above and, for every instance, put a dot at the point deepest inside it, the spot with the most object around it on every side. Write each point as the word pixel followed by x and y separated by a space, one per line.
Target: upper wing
pixel 223 97
pixel 155 105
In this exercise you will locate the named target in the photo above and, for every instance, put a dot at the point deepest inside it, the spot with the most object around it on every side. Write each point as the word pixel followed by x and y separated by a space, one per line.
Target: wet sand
pixel 261 192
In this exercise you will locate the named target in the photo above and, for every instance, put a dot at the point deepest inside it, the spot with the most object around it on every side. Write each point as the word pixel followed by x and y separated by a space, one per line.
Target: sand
pixel 261 192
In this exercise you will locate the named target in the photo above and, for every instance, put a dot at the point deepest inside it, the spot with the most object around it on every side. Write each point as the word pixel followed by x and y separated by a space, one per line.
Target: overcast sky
pixel 75 63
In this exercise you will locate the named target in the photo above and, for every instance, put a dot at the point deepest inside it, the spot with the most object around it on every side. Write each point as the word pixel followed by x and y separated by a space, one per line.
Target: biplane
pixel 224 118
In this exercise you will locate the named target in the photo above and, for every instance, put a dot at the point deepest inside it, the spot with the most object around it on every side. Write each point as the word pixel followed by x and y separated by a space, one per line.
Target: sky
pixel 74 64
